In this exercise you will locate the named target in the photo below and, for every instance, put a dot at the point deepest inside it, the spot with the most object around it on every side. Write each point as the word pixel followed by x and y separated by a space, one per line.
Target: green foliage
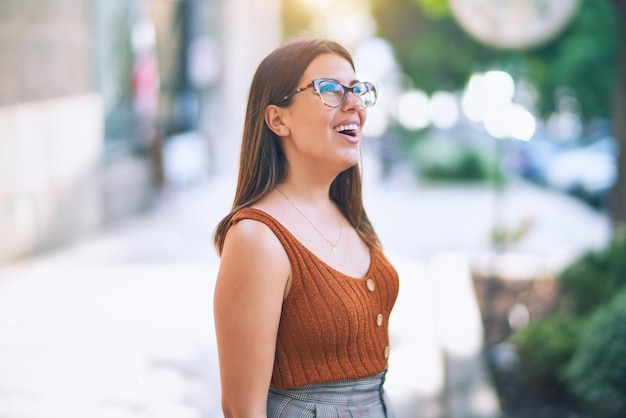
pixel 597 373
pixel 582 350
pixel 545 348
pixel 596 277
pixel 583 59
pixel 434 9
pixel 504 235
pixel 436 53
pixel 448 159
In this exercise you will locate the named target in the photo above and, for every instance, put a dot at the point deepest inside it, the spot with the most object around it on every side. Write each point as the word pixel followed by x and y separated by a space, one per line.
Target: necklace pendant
pixel 334 250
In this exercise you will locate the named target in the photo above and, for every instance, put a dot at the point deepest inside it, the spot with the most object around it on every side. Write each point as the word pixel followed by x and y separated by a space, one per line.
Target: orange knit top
pixel 333 326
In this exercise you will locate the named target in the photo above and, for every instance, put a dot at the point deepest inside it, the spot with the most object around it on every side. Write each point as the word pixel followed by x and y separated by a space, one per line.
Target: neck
pixel 333 244
pixel 313 193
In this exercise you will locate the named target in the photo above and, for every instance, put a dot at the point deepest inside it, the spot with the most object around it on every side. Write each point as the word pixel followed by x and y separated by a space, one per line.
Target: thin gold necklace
pixel 333 245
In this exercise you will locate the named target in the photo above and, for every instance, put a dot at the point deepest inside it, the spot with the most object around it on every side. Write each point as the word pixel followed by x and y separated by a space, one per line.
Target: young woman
pixel 303 293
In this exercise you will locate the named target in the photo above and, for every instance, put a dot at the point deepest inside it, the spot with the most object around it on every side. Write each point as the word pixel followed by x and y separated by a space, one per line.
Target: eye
pixel 362 88
pixel 330 87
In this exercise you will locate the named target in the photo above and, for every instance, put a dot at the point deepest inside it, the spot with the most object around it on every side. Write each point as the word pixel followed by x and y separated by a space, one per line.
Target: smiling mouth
pixel 350 130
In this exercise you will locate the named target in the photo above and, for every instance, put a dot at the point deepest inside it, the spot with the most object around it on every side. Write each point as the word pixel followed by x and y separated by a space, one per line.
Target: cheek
pixel 316 122
pixel 363 116
pixel 308 132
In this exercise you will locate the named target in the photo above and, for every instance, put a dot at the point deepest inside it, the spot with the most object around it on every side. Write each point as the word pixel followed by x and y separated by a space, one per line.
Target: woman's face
pixel 322 135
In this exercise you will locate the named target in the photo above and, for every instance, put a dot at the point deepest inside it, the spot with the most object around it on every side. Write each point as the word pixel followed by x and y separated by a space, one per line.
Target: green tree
pixel 589 58
pixel 437 54
pixel 431 48
pixel 582 59
pixel 618 198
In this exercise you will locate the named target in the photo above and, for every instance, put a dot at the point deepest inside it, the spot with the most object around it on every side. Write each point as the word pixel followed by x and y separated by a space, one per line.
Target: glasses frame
pixel 346 89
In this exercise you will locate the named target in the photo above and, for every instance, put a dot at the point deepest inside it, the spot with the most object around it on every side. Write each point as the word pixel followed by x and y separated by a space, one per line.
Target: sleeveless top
pixel 333 326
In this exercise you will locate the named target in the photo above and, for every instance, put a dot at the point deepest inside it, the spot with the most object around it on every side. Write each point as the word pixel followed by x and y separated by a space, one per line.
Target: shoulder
pixel 251 232
pixel 251 248
pixel 250 229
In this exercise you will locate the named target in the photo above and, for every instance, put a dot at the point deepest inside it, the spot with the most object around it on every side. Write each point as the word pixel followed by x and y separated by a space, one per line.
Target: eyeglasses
pixel 333 94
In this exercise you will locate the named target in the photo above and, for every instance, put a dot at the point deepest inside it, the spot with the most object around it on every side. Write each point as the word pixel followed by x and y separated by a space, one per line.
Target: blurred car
pixel 588 172
pixel 530 159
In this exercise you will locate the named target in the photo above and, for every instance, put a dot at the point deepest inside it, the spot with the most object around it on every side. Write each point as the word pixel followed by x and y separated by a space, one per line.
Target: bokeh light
pixel 485 90
pixel 444 110
pixel 510 121
pixel 412 110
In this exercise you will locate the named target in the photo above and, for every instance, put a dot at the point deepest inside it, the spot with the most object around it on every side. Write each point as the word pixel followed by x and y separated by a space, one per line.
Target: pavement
pixel 120 325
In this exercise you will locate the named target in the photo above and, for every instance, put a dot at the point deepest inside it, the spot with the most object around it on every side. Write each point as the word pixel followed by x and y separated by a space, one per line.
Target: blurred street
pixel 117 163
pixel 120 325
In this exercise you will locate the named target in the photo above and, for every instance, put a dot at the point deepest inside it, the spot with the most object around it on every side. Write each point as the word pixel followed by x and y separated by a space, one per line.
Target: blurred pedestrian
pixel 304 292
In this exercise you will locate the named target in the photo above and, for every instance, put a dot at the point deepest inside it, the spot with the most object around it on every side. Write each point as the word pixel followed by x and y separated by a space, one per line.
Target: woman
pixel 303 293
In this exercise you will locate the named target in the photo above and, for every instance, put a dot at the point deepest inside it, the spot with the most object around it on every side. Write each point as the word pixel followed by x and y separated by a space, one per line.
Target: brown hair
pixel 262 164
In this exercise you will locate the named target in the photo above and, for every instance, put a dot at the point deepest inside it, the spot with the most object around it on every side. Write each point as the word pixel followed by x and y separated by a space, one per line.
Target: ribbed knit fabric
pixel 333 326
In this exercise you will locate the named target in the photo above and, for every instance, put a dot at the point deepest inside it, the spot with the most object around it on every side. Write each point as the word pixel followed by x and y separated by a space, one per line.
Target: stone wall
pixel 44 49
pixel 50 173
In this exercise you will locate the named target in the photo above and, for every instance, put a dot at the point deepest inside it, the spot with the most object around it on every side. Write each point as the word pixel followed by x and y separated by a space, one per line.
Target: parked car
pixel 588 172
pixel 531 159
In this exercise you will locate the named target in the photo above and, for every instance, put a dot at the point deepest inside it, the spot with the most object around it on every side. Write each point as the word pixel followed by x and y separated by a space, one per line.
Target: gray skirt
pixel 347 398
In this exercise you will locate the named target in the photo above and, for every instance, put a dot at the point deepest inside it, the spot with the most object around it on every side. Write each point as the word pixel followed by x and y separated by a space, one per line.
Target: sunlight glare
pixel 318 4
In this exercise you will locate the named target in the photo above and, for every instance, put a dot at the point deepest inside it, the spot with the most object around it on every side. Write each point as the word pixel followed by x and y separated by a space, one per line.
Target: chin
pixel 351 161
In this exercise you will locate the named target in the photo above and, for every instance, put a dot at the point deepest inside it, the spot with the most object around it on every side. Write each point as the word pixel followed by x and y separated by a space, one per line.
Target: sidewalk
pixel 120 326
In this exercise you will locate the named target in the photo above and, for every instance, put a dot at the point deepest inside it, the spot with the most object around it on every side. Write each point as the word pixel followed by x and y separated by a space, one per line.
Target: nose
pixel 353 102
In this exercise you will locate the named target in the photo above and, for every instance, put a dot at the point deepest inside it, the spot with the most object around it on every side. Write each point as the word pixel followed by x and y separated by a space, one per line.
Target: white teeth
pixel 352 127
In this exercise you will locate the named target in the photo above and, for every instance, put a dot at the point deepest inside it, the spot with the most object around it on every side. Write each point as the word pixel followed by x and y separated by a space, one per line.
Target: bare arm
pixel 251 282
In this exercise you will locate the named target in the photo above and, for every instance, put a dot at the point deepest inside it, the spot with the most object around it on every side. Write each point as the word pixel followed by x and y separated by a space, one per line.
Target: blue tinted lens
pixel 331 92
pixel 360 88
pixel 329 87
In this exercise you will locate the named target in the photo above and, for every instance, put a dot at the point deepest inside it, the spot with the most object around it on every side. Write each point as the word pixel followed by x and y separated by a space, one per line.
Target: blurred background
pixel 105 104
pixel 492 172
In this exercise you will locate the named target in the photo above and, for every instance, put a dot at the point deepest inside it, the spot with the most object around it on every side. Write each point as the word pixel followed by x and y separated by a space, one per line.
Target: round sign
pixel 513 24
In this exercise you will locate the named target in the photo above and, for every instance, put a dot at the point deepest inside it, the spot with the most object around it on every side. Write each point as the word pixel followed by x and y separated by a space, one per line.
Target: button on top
pixel 370 285
pixel 379 319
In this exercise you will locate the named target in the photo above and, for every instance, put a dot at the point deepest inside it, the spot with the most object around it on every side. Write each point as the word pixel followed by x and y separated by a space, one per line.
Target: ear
pixel 274 118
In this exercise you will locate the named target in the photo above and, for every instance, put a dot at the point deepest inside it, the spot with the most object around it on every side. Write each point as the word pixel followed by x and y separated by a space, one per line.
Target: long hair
pixel 262 164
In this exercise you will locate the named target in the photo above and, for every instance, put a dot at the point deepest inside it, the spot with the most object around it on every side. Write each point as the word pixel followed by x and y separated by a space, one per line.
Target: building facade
pixel 91 91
